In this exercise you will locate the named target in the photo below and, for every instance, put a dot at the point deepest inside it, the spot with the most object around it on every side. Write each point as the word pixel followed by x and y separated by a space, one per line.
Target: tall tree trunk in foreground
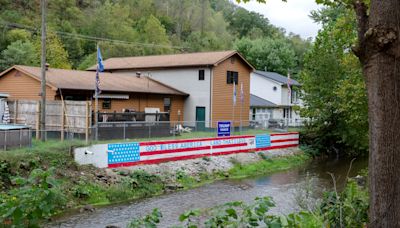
pixel 379 53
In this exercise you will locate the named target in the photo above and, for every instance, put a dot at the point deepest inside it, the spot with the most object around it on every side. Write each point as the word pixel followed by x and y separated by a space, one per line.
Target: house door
pixel 200 118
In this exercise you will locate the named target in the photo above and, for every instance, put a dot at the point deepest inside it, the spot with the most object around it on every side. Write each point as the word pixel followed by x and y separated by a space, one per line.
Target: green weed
pixel 267 166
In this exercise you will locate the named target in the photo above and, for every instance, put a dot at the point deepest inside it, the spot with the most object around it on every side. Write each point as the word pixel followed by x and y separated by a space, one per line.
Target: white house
pixel 270 98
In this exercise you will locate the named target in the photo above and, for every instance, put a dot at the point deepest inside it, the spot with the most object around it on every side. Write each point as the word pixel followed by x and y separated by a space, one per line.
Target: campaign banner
pixel 224 128
pixel 153 152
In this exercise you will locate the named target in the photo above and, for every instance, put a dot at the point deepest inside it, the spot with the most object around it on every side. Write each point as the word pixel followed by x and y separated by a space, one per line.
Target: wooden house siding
pixel 222 93
pixel 139 102
pixel 21 86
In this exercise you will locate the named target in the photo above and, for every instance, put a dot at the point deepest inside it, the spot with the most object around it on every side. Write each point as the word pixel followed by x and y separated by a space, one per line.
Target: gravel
pixel 194 167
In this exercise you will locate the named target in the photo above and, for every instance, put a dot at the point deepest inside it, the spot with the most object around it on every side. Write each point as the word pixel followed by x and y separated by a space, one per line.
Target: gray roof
pixel 259 102
pixel 276 77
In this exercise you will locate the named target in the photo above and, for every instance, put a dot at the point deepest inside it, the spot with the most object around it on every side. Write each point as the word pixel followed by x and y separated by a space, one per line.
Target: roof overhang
pixel 241 57
pixel 113 96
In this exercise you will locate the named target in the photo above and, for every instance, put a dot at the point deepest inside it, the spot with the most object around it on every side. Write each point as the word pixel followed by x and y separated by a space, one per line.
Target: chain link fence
pixel 145 130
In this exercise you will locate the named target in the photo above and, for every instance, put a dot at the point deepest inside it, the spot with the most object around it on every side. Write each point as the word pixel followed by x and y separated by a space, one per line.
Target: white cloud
pixel 292 15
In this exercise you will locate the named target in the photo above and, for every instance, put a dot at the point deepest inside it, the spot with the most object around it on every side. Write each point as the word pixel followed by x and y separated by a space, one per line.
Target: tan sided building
pixel 120 92
pixel 208 77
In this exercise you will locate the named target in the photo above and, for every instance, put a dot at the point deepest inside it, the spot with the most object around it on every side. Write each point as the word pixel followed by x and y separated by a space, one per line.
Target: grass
pixel 266 166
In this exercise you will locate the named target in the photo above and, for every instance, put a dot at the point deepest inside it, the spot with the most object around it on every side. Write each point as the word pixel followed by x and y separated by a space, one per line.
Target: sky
pixel 292 15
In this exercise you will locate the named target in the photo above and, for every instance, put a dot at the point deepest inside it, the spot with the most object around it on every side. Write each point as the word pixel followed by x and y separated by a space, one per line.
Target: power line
pixel 90 38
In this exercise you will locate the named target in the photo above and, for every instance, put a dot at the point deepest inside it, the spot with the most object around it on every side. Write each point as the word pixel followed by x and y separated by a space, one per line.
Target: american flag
pixel 98 91
pixel 123 152
pixel 100 68
pixel 154 152
pixel 289 83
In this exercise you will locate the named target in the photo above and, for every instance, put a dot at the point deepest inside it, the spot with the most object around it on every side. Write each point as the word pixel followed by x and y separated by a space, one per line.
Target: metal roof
pixel 276 77
pixel 85 80
pixel 256 101
pixel 168 61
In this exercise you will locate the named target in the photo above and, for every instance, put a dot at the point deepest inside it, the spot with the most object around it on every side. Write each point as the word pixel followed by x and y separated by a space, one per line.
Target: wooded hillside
pixel 142 27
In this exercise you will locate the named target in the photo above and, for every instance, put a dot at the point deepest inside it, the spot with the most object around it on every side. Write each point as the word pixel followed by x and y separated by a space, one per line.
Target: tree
pixel 154 33
pixel 56 55
pixel 18 53
pixel 379 53
pixel 378 50
pixel 334 92
pixel 275 55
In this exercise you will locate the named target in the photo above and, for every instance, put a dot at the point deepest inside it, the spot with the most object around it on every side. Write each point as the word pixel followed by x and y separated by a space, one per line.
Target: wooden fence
pixel 62 116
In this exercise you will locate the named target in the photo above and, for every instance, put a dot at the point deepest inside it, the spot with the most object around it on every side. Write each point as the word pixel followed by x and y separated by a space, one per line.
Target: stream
pixel 284 187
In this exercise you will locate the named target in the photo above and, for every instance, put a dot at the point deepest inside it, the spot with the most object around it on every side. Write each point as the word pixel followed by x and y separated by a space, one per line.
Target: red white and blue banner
pixel 139 153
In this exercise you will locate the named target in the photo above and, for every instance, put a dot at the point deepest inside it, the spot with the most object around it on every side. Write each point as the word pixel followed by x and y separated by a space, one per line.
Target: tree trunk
pixel 379 53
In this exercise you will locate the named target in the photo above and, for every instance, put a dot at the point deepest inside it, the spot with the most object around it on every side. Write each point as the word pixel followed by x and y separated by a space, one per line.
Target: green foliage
pixel 275 55
pixel 56 55
pixel 138 184
pixel 346 209
pixel 267 166
pixel 149 221
pixel 155 33
pixel 18 53
pixel 334 91
pixel 35 198
pixel 24 52
pixel 5 175
pixel 186 180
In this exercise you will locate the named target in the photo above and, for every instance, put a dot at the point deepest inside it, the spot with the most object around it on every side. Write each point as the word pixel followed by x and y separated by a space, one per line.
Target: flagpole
pixel 233 106
pixel 289 98
pixel 96 97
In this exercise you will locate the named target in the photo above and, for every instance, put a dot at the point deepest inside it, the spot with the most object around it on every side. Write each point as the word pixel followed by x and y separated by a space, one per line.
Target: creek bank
pixel 195 172
pixel 84 187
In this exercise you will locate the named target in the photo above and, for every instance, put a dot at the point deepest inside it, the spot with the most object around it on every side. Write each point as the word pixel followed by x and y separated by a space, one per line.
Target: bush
pixel 36 197
pixel 347 209
pixel 148 221
pixel 137 184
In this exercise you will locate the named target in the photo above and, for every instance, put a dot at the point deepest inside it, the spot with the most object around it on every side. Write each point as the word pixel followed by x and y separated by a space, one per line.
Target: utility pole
pixel 43 74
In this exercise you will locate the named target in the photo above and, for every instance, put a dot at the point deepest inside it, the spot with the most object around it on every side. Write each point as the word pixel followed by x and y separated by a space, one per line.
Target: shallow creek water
pixel 282 186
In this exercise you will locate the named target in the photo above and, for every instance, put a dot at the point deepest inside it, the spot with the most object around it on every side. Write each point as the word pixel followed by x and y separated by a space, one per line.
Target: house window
pixel 232 76
pixel 275 88
pixel 287 113
pixel 294 98
pixel 106 104
pixel 253 116
pixel 167 104
pixel 201 75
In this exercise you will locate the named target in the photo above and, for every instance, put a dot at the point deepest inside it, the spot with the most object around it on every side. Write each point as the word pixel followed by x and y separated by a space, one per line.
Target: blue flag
pixel 100 65
pixel 100 68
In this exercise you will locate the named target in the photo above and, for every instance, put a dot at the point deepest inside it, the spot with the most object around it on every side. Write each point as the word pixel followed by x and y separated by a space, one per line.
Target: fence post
pixel 87 124
pixel 15 111
pixel 124 132
pixel 5 140
pixel 37 120
pixel 62 121
pixel 20 138
pixel 149 130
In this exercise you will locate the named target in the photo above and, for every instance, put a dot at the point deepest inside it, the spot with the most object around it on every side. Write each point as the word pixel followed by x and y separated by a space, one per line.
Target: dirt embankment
pixel 207 165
